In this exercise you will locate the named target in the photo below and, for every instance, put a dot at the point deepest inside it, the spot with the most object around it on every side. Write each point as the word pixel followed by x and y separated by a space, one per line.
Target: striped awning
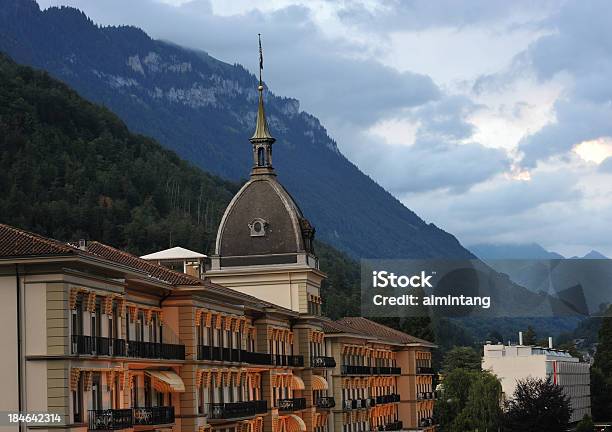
pixel 319 383
pixel 294 423
pixel 297 383
pixel 167 381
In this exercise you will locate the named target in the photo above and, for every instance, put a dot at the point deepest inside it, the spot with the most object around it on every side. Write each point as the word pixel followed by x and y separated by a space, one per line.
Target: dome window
pixel 258 227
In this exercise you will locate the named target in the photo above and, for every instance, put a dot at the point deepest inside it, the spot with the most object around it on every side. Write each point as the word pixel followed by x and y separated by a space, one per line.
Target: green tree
pixel 461 358
pixel 530 337
pixel 601 372
pixel 586 424
pixel 537 405
pixel 469 401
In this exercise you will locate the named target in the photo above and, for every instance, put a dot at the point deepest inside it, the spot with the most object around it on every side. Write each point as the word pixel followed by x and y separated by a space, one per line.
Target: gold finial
pixel 261 128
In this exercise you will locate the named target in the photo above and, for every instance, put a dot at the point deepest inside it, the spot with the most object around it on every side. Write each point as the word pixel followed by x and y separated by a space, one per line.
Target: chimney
pixel 550 344
pixel 83 244
pixel 521 338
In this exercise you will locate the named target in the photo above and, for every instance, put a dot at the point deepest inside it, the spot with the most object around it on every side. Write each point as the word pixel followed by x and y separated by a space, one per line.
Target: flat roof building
pixel 517 362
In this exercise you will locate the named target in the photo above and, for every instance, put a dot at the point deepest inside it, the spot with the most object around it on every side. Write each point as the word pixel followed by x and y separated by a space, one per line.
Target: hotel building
pixel 176 341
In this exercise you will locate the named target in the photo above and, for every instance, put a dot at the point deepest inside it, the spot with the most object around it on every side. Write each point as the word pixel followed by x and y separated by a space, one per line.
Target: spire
pixel 261 128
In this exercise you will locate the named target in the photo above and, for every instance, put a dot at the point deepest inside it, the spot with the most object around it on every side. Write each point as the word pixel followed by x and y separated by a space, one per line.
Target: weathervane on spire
pixel 260 61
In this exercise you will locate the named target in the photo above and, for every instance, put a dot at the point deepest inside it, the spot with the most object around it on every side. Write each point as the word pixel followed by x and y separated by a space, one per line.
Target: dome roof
pixel 263 221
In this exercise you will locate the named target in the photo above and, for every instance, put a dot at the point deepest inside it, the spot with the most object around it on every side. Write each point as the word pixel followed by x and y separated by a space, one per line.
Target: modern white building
pixel 516 362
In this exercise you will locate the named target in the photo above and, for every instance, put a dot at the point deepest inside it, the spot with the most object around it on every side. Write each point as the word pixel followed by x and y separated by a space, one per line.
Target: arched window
pixel 260 156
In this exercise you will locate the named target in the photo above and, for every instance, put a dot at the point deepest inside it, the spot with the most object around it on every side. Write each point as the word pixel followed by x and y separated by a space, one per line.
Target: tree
pixel 538 405
pixel 586 424
pixel 530 337
pixel 469 401
pixel 461 358
pixel 601 372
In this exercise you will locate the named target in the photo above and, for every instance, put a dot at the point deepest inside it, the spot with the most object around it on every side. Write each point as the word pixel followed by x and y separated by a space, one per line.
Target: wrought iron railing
pixel 153 415
pixel 390 398
pixel 423 370
pixel 110 419
pixel 325 402
pixel 156 350
pixel 231 410
pixel 322 362
pixel 293 404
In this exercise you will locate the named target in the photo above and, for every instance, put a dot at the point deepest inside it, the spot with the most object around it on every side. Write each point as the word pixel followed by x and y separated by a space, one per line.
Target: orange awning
pixel 319 383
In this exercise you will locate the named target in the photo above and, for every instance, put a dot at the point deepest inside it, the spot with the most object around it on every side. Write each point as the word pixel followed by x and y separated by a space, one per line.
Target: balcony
pixel 111 419
pixel 96 345
pixel 288 360
pixel 390 398
pixel 422 370
pixel 394 426
pixel 352 404
pixel 426 395
pixel 294 404
pixel 425 422
pixel 322 362
pixel 147 416
pixel 233 410
pixel 355 370
pixel 386 370
pixel 325 402
pixel 206 352
pixel 155 350
pixel 103 346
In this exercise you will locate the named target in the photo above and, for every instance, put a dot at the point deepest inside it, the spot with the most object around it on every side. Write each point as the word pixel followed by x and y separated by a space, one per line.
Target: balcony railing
pixel 206 352
pixel 156 350
pixel 153 415
pixel 352 404
pixel 294 404
pixel 370 370
pixel 355 370
pixel 386 370
pixel 394 426
pixel 390 398
pixel 322 362
pixel 231 410
pixel 111 419
pixel 103 346
pixel 425 422
pixel 422 370
pixel 426 395
pixel 289 360
pixel 325 402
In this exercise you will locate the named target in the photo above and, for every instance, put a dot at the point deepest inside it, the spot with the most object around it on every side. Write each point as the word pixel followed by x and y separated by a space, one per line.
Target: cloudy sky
pixel 491 119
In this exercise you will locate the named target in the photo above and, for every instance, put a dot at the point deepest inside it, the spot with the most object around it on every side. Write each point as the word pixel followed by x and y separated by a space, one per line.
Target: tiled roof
pixel 335 327
pixel 374 329
pixel 15 242
pixel 153 270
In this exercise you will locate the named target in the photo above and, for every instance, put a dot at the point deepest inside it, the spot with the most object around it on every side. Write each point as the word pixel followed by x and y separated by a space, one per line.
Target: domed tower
pixel 264 243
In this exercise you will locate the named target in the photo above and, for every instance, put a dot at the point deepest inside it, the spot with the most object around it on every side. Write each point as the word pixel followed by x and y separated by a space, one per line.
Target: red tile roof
pixel 15 242
pixel 153 270
pixel 374 329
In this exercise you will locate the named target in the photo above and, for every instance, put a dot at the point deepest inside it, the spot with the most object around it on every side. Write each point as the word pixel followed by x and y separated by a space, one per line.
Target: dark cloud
pixel 581 48
pixel 411 15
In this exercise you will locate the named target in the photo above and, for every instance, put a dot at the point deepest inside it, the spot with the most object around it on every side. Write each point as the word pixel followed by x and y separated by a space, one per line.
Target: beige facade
pixel 517 362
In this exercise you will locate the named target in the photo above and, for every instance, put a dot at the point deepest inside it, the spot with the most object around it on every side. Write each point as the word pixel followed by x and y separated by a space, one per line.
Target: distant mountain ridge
pixel 522 251
pixel 204 110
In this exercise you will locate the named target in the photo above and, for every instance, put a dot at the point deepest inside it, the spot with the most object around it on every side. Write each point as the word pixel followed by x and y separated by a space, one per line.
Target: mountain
pixel 204 110
pixel 593 255
pixel 489 251
pixel 70 169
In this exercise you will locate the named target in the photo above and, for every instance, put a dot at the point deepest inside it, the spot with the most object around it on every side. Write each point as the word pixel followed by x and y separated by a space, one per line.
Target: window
pixel 258 227
pixel 96 392
pixel 261 156
pixel 77 401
